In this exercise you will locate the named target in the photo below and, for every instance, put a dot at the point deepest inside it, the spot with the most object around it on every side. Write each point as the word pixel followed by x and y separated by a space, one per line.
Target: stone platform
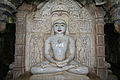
pixel 59 76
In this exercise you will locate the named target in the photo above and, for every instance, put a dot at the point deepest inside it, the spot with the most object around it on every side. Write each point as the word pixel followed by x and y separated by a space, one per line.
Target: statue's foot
pixel 50 69
pixel 80 70
pixel 68 67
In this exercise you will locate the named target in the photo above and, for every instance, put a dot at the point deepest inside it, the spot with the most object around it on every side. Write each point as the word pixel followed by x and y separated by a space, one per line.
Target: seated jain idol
pixel 59 62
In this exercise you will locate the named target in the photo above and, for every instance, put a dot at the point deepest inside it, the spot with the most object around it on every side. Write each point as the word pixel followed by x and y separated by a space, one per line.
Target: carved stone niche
pixel 81 23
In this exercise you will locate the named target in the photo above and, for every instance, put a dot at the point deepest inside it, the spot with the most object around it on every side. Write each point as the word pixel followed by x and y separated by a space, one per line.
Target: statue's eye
pixel 62 25
pixel 56 25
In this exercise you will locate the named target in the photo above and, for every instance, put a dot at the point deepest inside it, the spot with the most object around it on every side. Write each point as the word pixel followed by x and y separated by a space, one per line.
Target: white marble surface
pixel 59 76
pixel 59 43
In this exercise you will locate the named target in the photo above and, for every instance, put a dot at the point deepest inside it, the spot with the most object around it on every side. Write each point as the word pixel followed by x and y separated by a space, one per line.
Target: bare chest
pixel 59 43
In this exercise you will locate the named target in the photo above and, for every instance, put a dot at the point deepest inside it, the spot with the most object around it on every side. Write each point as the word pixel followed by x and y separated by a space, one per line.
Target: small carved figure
pixel 59 44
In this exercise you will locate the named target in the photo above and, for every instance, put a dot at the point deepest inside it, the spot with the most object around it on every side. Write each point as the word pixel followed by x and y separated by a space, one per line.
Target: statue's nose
pixel 59 27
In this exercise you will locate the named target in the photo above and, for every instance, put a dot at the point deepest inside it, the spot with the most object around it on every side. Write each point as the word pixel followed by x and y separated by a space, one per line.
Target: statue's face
pixel 59 26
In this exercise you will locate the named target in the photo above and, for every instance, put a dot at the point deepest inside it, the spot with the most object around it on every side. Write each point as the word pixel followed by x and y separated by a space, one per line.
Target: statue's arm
pixel 72 50
pixel 47 51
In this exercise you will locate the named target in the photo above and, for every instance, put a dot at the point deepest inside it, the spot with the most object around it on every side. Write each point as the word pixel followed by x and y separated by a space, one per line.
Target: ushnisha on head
pixel 59 26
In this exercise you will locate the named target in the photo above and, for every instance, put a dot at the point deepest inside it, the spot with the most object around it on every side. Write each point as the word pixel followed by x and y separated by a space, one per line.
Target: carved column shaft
pixel 100 44
pixel 20 40
pixel 6 10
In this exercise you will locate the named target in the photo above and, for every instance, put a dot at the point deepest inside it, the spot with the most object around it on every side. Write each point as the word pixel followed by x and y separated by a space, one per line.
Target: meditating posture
pixel 62 58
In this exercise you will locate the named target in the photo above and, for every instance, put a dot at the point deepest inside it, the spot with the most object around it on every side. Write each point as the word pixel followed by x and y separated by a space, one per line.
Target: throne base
pixel 59 76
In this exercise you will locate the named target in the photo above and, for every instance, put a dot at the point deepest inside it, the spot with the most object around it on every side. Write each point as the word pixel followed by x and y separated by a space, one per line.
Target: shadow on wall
pixel 7 49
pixel 112 41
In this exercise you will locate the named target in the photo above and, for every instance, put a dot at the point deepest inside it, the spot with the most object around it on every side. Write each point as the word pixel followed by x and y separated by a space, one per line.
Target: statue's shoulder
pixel 69 37
pixel 51 37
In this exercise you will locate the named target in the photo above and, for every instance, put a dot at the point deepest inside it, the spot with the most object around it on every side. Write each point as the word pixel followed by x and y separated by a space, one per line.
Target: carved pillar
pixel 6 10
pixel 20 39
pixel 100 44
pixel 113 6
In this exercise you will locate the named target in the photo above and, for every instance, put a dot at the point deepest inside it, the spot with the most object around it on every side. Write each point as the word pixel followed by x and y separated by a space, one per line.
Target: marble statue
pixel 61 45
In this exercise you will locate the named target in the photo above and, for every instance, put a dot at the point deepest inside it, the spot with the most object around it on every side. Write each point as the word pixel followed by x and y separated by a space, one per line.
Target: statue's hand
pixel 61 63
pixel 65 61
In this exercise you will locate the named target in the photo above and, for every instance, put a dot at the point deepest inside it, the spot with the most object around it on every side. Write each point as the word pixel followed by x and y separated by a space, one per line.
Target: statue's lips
pixel 59 30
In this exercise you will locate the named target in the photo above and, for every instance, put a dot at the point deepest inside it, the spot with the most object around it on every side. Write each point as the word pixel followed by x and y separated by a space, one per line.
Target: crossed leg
pixel 46 67
pixel 79 68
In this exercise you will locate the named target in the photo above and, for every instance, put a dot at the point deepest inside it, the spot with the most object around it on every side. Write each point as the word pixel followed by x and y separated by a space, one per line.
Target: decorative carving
pixel 6 11
pixel 34 50
pixel 81 21
pixel 100 2
pixel 78 26
pixel 77 13
pixel 85 54
pixel 42 26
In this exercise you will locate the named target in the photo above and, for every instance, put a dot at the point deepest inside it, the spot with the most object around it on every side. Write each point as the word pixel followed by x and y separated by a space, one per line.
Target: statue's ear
pixel 67 32
pixel 52 30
